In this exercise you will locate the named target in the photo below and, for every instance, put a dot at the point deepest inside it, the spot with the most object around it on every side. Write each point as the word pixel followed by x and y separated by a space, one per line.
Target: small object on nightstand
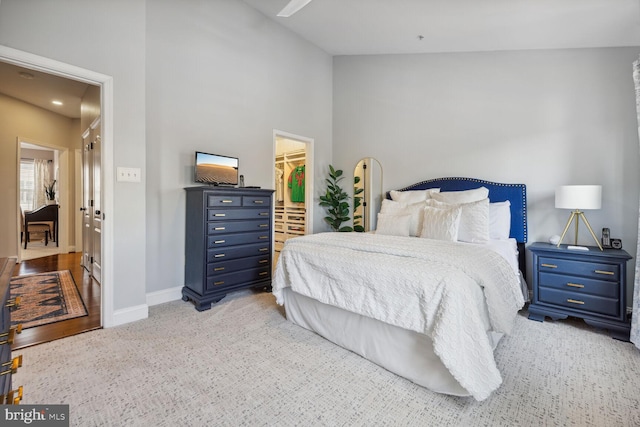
pixel 616 243
pixel 554 240
pixel 577 248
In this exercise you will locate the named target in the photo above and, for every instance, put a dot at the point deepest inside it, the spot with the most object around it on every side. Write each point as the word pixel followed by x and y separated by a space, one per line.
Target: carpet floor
pixel 242 363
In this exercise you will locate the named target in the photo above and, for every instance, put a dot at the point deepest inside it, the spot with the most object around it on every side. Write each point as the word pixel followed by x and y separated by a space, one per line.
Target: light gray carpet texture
pixel 243 363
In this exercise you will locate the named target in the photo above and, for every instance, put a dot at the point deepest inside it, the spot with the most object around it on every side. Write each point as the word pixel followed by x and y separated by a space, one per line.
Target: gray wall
pixel 542 118
pixel 220 78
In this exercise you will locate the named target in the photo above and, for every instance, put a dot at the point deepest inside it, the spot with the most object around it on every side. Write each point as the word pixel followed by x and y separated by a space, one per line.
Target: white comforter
pixel 418 284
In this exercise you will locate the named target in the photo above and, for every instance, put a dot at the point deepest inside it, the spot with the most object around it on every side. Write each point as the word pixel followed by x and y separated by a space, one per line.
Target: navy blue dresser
pixel 586 284
pixel 228 242
pixel 8 365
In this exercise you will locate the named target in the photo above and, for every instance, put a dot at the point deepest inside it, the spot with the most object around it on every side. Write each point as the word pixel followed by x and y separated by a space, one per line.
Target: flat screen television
pixel 214 169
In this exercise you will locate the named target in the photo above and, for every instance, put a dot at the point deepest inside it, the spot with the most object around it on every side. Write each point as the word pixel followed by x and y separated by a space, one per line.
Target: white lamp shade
pixel 580 197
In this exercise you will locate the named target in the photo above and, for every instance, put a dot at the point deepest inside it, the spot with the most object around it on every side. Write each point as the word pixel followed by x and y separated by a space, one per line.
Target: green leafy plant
pixel 50 190
pixel 357 202
pixel 335 200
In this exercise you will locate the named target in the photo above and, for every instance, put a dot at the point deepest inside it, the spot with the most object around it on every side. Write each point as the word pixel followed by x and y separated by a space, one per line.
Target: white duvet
pixel 427 286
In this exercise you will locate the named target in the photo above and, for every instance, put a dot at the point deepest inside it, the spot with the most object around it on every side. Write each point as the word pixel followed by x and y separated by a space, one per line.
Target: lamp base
pixel 576 215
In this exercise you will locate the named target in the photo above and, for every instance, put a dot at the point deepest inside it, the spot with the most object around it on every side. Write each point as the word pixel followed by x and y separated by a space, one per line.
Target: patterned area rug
pixel 46 298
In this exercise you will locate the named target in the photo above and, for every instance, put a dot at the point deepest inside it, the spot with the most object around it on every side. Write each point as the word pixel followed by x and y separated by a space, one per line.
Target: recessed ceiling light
pixel 56 102
pixel 26 75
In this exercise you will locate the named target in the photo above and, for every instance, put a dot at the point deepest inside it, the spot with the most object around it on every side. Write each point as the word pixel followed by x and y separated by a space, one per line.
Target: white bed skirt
pixel 403 352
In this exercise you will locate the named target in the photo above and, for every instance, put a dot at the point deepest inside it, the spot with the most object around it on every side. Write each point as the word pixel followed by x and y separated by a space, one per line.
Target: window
pixel 27 184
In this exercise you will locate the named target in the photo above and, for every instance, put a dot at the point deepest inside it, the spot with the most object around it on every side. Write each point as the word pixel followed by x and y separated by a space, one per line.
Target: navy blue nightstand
pixel 586 284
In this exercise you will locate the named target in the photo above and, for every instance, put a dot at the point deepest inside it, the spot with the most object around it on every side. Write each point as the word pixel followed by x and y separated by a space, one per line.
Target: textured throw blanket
pixel 427 286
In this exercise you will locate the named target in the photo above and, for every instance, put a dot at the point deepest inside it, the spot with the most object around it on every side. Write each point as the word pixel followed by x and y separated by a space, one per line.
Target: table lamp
pixel 579 198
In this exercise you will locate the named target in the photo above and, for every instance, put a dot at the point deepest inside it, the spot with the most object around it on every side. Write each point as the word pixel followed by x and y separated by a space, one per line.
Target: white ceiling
pixel 357 27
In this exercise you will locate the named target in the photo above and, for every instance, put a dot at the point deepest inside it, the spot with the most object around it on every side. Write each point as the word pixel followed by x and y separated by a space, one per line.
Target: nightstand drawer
pixel 580 285
pixel 595 270
pixel 582 302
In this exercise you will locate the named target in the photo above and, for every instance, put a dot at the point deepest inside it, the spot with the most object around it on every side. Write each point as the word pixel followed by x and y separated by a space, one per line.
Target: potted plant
pixel 50 191
pixel 335 200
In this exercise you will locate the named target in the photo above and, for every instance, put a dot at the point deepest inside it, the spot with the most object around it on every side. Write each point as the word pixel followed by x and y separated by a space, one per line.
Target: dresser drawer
pixel 231 279
pixel 214 200
pixel 602 271
pixel 233 252
pixel 224 267
pixel 238 239
pixel 225 214
pixel 256 201
pixel 576 301
pixel 216 227
pixel 580 285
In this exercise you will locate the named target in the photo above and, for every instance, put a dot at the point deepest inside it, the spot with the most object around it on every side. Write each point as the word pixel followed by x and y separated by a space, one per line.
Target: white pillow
pixel 397 208
pixel 412 196
pixel 474 220
pixel 499 220
pixel 393 225
pixel 465 196
pixel 441 223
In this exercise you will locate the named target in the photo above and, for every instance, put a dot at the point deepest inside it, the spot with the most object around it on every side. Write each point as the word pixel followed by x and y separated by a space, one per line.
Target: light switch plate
pixel 128 174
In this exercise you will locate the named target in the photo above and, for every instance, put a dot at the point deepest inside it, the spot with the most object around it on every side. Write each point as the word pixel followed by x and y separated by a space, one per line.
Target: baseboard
pixel 130 314
pixel 166 295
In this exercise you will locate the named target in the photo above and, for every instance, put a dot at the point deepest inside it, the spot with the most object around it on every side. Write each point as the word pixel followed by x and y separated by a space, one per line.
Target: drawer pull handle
pixel 263 273
pixel 218 269
pixel 263 261
pixel 258 202
pixel 227 201
pixel 16 361
pixel 11 334
pixel 575 285
pixel 575 301
pixel 220 228
pixel 11 400
pixel 549 265
pixel 217 242
pixel 263 225
pixel 17 330
pixel 221 282
pixel 219 214
pixel 264 214
pixel 218 255
pixel 263 237
pixel 263 249
pixel 14 302
pixel 608 273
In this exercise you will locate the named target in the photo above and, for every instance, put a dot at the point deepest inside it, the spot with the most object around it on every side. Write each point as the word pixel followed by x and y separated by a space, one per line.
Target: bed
pixel 429 309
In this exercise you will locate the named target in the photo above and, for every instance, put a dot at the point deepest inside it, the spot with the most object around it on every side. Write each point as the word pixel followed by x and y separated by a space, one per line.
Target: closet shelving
pixel 290 217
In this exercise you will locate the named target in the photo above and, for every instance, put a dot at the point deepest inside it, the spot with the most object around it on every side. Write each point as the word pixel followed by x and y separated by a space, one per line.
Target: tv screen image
pixel 215 169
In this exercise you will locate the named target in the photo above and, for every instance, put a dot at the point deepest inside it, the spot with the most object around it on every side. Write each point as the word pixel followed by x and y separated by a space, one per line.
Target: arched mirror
pixel 367 194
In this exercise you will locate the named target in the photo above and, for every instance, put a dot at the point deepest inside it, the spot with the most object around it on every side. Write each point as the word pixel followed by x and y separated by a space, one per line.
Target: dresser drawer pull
pixel 218 255
pixel 218 269
pixel 264 214
pixel 263 273
pixel 575 301
pixel 14 400
pixel 549 265
pixel 15 362
pixel 263 261
pixel 10 335
pixel 263 225
pixel 17 330
pixel 263 237
pixel 227 201
pixel 258 202
pixel 221 282
pixel 217 242
pixel 220 228
pixel 608 273
pixel 219 214
pixel 263 249
pixel 575 285
pixel 14 302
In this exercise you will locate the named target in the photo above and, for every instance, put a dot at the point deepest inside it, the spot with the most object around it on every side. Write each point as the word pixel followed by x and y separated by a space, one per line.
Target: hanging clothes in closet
pixel 296 184
pixel 279 185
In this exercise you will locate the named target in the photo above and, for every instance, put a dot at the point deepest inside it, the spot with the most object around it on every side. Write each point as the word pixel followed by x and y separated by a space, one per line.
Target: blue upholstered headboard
pixel 515 193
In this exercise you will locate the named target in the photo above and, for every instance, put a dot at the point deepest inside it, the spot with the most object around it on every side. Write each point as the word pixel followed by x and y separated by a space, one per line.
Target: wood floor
pixel 89 290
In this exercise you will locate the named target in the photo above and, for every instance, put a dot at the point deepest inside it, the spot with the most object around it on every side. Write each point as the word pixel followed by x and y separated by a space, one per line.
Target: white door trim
pixel 50 66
